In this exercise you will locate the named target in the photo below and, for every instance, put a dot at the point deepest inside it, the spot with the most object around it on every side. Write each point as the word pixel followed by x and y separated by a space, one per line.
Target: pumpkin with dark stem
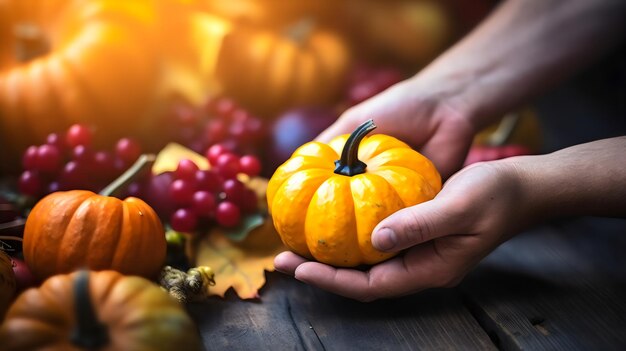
pixel 327 198
pixel 78 228
pixel 97 311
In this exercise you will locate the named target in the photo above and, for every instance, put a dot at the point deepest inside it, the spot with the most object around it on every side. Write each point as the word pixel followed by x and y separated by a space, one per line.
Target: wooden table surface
pixel 561 286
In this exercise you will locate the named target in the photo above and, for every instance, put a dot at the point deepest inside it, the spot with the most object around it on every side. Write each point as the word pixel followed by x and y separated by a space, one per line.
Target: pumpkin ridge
pixel 118 232
pixel 323 176
pixel 41 261
pixel 326 229
pixel 70 253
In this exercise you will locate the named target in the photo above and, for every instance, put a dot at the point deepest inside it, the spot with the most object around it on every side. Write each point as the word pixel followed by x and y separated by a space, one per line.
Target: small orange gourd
pixel 327 198
pixel 73 229
pixel 97 311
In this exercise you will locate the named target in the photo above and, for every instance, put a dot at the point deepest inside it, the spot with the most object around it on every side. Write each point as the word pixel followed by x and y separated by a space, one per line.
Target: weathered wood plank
pixel 560 287
pixel 295 316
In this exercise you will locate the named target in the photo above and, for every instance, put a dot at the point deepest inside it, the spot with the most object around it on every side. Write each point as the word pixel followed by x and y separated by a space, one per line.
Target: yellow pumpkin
pixel 97 311
pixel 269 71
pixel 69 61
pixel 327 198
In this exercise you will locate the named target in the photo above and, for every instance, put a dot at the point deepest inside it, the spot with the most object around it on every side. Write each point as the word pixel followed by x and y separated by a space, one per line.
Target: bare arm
pixel 520 50
pixel 524 47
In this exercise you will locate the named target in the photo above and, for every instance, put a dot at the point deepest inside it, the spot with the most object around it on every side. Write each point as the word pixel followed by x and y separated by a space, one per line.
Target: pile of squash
pixel 116 65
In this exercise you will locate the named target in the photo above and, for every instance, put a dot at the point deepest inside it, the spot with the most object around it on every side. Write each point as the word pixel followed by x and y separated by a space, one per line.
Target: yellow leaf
pixel 172 153
pixel 240 265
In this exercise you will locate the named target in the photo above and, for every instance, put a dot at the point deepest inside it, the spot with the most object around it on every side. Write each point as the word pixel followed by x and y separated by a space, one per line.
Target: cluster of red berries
pixel 69 161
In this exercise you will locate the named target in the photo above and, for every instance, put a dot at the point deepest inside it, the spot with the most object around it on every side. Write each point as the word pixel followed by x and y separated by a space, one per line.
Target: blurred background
pixel 258 76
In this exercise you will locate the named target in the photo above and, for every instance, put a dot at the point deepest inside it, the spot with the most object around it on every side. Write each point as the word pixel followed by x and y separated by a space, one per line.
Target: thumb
pixel 414 225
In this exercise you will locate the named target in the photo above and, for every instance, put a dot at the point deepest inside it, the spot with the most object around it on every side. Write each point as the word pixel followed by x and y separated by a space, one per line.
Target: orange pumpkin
pixel 78 228
pixel 8 284
pixel 97 310
pixel 269 71
pixel 70 61
pixel 327 198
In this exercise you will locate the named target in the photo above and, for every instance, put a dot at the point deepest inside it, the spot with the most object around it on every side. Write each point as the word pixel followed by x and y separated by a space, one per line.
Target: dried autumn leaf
pixel 240 265
pixel 172 153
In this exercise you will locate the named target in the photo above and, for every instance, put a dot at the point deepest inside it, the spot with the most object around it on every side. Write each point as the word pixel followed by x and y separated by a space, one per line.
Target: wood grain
pixel 559 287
pixel 295 316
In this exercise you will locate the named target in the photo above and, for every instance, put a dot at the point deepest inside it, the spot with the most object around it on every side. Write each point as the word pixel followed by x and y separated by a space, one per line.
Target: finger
pixel 419 269
pixel 350 283
pixel 415 225
pixel 287 262
pixel 344 125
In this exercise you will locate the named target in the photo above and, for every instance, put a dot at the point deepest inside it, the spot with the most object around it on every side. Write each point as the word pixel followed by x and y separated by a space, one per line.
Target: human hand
pixel 430 119
pixel 478 208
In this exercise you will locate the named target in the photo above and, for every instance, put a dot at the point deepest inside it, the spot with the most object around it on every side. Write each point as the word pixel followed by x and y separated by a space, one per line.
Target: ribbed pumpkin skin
pixel 138 314
pixel 329 217
pixel 101 68
pixel 268 72
pixel 77 229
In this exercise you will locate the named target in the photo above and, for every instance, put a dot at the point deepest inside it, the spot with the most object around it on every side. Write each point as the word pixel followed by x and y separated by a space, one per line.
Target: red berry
pixel 233 190
pixel 249 201
pixel 215 131
pixel 186 115
pixel 78 134
pixel 227 214
pixel 128 150
pixel 224 107
pixel 83 154
pixel 48 158
pixel 216 151
pixel 184 220
pixel 29 159
pixel 250 165
pixel 56 140
pixel 181 192
pixel 104 165
pixel 186 170
pixel 208 180
pixel 73 176
pixel 30 183
pixel 204 203
pixel 227 165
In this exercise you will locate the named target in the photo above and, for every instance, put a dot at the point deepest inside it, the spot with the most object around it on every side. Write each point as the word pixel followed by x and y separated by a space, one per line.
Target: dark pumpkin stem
pixel 144 161
pixel 88 333
pixel 349 164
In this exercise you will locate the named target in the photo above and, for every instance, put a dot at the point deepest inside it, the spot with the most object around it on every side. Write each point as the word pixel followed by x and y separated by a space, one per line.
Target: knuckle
pixel 417 228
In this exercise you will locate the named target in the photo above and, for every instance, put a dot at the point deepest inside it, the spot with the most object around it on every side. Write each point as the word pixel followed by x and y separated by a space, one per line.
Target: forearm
pixel 587 179
pixel 524 47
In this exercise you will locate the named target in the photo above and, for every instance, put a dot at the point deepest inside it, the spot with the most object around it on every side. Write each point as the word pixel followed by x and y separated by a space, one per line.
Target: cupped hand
pixel 431 120
pixel 477 209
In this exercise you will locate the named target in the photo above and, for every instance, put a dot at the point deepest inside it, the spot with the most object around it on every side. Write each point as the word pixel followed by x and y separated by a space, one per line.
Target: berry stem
pixel 144 161
pixel 349 163
pixel 16 223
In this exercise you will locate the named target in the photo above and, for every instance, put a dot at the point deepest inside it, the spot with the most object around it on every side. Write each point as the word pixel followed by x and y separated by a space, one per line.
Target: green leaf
pixel 240 232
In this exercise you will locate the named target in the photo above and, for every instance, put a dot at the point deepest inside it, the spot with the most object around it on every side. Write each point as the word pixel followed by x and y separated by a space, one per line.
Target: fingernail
pixel 385 239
